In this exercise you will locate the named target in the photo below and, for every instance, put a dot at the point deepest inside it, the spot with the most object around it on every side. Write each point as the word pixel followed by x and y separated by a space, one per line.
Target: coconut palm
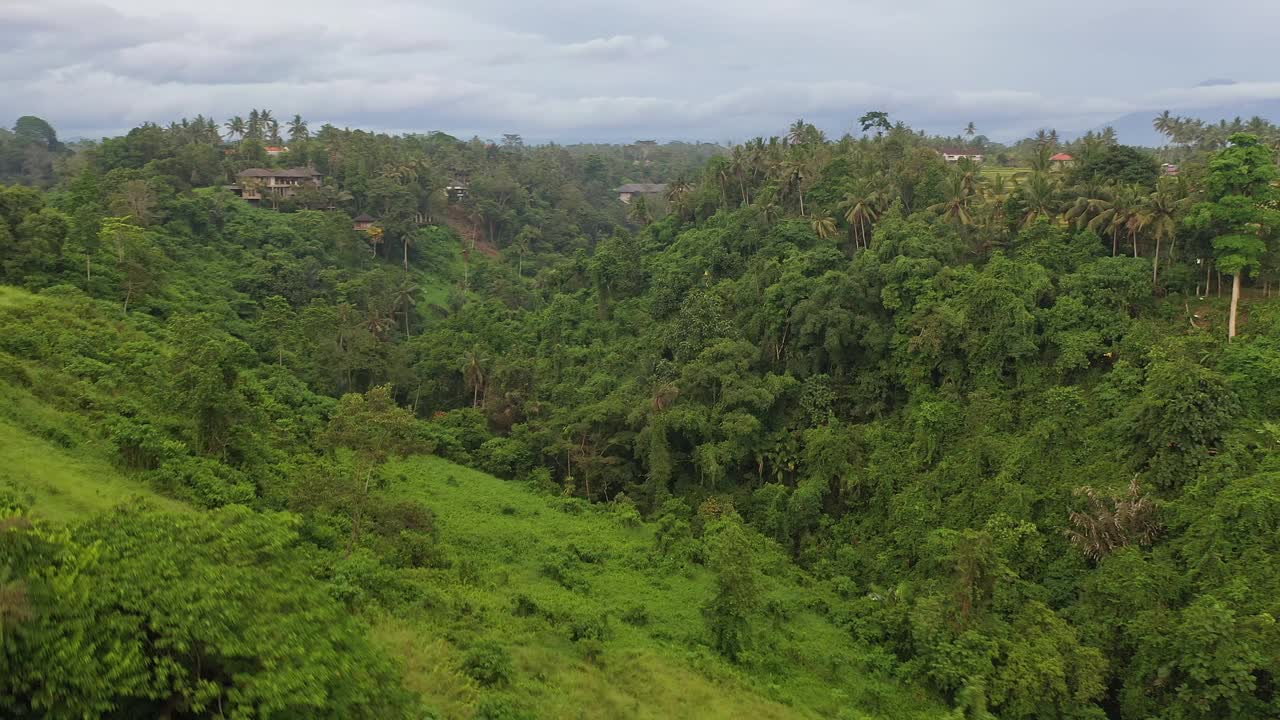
pixel 236 127
pixel 473 374
pixel 970 130
pixel 793 176
pixel 861 210
pixel 956 207
pixel 405 298
pixel 824 226
pixel 677 191
pixel 1164 123
pixel 1118 215
pixel 1162 213
pixel 1090 201
pixel 298 130
pixel 639 212
pixel 1040 198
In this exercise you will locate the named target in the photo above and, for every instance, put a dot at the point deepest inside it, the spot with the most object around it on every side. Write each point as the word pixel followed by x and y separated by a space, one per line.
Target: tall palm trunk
pixel 1155 263
pixel 1235 304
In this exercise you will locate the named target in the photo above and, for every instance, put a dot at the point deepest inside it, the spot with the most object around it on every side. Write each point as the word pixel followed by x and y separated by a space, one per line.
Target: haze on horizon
pixel 709 70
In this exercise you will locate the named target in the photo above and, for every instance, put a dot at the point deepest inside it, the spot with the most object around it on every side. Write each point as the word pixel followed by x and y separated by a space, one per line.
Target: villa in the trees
pixel 630 190
pixel 256 183
pixel 363 222
pixel 1062 160
pixel 954 154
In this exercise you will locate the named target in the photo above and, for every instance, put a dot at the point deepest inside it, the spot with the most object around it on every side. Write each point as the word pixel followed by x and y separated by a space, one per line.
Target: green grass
pixel 434 284
pixel 57 470
pixel 1009 173
pixel 499 537
pixel 12 296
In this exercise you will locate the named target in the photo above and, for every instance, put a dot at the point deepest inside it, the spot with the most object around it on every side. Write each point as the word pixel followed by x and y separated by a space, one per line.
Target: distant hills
pixel 1135 128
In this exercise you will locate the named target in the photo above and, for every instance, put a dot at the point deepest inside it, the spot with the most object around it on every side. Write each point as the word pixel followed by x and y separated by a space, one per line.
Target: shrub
pixel 488 664
pixel 525 606
pixel 498 708
pixel 590 627
pixel 626 511
pixel 637 615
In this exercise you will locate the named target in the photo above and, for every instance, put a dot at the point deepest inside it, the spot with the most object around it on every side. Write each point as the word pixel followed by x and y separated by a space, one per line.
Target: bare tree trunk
pixel 1219 283
pixel 1235 303
pixel 1155 264
pixel 1208 275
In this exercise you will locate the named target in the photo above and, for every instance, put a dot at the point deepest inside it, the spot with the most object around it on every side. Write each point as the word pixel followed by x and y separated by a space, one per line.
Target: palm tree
pixel 406 240
pixel 1040 159
pixel 1164 123
pixel 254 127
pixel 639 212
pixel 1040 198
pixel 404 301
pixel 956 206
pixel 824 226
pixel 1118 215
pixel 862 209
pixel 1162 212
pixel 298 129
pixel 236 127
pixel 523 243
pixel 793 175
pixel 473 374
pixel 970 130
pixel 677 192
pixel 798 134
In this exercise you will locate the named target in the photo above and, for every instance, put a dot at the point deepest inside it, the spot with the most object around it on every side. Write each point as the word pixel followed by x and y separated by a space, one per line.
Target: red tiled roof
pixel 1062 157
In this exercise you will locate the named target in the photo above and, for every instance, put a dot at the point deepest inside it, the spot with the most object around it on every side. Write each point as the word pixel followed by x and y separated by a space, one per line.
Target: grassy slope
pixel 51 459
pixel 48 460
pixel 499 537
pixel 502 535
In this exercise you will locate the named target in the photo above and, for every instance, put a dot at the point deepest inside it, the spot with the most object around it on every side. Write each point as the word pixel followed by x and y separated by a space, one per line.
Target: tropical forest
pixel 307 421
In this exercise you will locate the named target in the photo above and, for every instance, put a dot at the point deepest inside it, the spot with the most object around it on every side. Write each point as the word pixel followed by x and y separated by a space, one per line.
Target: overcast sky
pixel 669 69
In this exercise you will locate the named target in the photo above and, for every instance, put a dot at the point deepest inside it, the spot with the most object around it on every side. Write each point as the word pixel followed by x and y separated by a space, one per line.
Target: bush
pixel 563 567
pixel 541 480
pixel 637 615
pixel 525 606
pixel 590 627
pixel 497 708
pixel 206 482
pixel 626 511
pixel 488 664
pixel 505 457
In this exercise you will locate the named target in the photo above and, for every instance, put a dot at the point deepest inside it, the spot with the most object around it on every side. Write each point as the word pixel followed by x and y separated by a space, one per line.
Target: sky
pixel 580 70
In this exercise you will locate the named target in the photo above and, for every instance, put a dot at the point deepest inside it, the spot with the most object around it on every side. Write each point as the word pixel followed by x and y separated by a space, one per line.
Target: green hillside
pixel 831 428
pixel 525 572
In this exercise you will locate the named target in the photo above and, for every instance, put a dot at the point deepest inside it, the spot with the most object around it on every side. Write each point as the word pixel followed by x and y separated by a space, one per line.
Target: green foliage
pixel 488 664
pixel 923 388
pixel 125 618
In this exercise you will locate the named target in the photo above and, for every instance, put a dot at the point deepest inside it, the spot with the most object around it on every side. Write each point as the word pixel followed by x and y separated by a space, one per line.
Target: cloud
pixel 590 70
pixel 615 47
